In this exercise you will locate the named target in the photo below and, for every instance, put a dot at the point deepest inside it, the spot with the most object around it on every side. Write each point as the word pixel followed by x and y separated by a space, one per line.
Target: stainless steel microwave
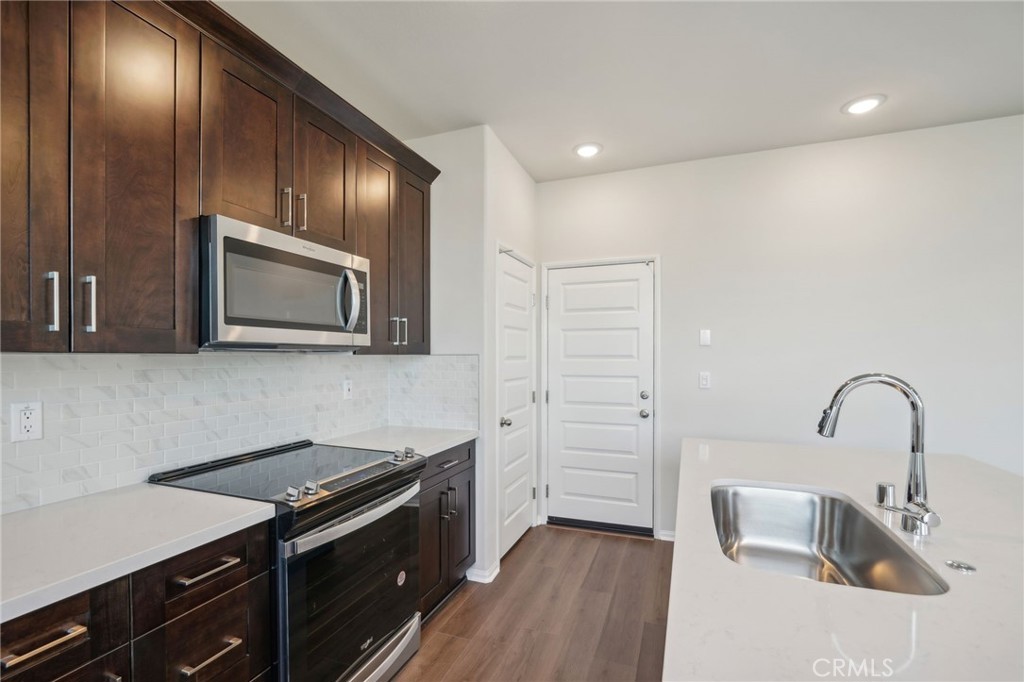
pixel 264 290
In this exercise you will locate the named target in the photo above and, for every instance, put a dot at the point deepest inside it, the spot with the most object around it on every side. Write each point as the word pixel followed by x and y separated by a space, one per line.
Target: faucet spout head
pixel 828 421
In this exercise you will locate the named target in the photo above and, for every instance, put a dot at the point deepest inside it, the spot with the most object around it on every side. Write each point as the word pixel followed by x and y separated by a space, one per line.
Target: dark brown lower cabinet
pixel 447 525
pixel 215 628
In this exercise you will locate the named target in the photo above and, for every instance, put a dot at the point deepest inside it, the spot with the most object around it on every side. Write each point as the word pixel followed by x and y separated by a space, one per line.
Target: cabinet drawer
pixel 447 462
pixel 222 639
pixel 174 587
pixel 114 667
pixel 57 639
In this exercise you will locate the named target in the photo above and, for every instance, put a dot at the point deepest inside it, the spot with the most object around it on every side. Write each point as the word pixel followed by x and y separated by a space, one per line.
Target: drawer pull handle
pixel 447 465
pixel 232 642
pixel 113 677
pixel 71 632
pixel 229 561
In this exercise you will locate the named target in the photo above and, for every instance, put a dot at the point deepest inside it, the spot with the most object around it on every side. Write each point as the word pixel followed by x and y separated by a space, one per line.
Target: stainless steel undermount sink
pixel 820 535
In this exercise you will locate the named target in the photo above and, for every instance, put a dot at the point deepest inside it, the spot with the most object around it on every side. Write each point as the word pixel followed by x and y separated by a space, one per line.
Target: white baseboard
pixel 479 575
pixel 669 535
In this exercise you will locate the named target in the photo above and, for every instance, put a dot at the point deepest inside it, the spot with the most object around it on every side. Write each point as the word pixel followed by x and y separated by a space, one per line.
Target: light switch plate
pixel 705 337
pixel 704 380
pixel 346 389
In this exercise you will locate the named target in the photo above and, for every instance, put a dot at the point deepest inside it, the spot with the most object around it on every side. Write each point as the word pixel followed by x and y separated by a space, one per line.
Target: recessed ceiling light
pixel 863 105
pixel 588 149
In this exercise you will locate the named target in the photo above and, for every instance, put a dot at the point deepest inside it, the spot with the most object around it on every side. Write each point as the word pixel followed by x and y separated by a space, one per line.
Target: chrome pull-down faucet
pixel 918 518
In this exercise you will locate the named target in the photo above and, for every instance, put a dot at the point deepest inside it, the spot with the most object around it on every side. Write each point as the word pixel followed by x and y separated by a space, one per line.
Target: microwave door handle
pixel 339 302
pixel 353 297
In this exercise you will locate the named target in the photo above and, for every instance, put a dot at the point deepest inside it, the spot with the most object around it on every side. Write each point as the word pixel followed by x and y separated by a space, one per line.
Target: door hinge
pixel 547 302
pixel 547 397
pixel 533 300
pixel 533 396
pixel 547 490
pixel 535 493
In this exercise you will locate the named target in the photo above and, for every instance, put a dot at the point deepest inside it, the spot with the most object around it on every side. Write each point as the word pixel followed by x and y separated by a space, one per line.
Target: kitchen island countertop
pixel 733 622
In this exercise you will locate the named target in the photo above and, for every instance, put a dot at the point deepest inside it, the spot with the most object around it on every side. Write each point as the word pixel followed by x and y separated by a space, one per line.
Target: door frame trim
pixel 542 450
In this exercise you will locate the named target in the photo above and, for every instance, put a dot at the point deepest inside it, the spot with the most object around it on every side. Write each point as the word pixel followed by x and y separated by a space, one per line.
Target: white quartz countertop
pixel 58 550
pixel 733 622
pixel 426 441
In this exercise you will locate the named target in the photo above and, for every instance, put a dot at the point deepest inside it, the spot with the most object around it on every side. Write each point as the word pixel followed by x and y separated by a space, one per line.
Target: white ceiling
pixel 654 82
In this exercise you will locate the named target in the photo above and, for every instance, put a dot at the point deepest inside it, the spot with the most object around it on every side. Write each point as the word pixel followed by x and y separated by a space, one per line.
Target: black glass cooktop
pixel 268 474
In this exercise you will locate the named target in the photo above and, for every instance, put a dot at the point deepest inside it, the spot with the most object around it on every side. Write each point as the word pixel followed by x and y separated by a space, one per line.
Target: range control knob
pixel 399 456
pixel 293 494
pixel 410 453
pixel 311 487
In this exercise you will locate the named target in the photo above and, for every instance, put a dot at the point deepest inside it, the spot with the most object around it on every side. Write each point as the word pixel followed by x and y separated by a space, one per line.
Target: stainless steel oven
pixel 346 548
pixel 351 585
pixel 266 290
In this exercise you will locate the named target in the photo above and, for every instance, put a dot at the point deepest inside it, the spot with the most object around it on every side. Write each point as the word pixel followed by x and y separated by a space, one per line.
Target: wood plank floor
pixel 567 605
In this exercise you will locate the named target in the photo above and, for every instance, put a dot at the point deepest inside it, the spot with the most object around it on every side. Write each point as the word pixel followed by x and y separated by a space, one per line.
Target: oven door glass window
pixel 267 287
pixel 349 595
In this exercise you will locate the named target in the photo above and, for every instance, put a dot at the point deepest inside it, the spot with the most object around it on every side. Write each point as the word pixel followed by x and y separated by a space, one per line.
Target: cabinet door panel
pixel 34 231
pixel 247 142
pixel 414 262
pixel 433 546
pixel 135 178
pixel 325 179
pixel 461 490
pixel 378 228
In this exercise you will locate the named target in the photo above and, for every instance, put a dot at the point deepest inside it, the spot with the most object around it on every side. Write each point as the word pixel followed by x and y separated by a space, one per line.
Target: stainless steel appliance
pixel 270 291
pixel 347 553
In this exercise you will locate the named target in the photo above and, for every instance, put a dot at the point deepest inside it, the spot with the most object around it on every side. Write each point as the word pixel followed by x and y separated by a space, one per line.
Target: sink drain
pixel 961 566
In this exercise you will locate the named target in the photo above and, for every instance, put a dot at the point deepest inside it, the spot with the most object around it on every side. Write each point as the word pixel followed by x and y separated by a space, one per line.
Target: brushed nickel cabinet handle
pixel 113 677
pixel 228 562
pixel 446 517
pixel 71 632
pixel 405 340
pixel 91 281
pixel 448 464
pixel 398 323
pixel 54 277
pixel 305 212
pixel 188 671
pixel 454 511
pixel 286 195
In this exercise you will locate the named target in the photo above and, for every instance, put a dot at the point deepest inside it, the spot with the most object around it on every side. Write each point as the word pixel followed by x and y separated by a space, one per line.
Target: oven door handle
pixel 322 536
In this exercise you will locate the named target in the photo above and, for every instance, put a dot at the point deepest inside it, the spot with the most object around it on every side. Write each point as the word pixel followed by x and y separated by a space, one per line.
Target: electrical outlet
pixel 26 421
pixel 346 389
pixel 704 380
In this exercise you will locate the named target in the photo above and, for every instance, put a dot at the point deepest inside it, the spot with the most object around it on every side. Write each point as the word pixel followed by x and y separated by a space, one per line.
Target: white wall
pixel 898 253
pixel 482 197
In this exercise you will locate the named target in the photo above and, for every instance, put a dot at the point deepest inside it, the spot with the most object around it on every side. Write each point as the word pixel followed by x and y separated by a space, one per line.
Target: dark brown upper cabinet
pixel 247 142
pixel 394 233
pixel 128 201
pixel 325 179
pixel 34 258
pixel 134 178
pixel 378 236
pixel 414 262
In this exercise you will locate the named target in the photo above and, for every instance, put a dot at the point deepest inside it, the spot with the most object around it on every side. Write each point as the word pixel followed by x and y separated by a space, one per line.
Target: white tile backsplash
pixel 112 420
pixel 439 390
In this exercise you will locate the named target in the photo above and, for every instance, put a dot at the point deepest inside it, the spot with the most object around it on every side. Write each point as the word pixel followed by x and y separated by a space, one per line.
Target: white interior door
pixel 601 384
pixel 516 412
